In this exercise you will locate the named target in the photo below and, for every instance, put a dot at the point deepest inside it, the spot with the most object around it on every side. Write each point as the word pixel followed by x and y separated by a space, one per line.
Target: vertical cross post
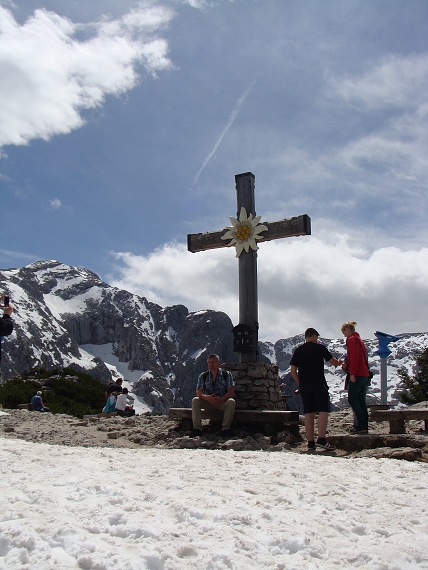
pixel 248 304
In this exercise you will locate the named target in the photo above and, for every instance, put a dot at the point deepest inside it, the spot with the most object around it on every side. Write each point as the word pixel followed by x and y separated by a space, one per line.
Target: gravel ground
pixel 160 431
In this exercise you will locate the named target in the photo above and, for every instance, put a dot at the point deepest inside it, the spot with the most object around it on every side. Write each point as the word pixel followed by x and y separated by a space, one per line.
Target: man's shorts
pixel 315 399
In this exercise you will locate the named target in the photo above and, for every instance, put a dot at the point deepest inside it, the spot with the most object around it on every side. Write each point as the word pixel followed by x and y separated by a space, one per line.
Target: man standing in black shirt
pixel 6 322
pixel 307 369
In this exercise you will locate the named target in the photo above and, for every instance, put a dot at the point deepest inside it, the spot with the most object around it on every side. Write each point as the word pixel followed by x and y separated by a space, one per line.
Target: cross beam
pixel 289 227
pixel 248 304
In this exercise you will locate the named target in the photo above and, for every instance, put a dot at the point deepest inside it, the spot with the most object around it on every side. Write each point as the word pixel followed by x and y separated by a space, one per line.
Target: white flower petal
pixel 234 222
pixel 239 247
pixel 256 221
pixel 252 244
pixel 228 235
pixel 243 215
pixel 259 229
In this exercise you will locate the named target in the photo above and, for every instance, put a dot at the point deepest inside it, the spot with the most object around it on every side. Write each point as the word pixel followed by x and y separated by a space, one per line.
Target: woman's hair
pixel 349 325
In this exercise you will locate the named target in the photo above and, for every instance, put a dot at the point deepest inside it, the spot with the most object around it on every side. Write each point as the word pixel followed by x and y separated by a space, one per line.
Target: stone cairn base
pixel 256 386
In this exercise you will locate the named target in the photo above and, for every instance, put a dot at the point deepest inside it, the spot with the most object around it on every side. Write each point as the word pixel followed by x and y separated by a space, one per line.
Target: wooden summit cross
pixel 246 332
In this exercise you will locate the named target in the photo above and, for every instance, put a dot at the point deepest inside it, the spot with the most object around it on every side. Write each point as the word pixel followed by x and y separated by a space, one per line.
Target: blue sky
pixel 123 124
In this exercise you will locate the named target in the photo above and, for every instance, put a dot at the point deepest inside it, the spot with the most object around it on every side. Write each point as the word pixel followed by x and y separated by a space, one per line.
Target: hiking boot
pixel 311 445
pixel 196 432
pixel 227 432
pixel 324 444
pixel 358 430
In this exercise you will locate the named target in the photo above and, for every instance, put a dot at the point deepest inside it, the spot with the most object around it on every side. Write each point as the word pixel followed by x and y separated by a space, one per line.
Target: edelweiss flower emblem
pixel 244 232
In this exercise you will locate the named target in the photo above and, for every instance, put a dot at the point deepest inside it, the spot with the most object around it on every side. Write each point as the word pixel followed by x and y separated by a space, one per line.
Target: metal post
pixel 383 382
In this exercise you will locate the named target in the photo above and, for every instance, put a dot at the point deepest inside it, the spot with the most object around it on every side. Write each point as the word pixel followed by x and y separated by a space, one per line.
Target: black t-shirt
pixel 309 359
pixel 114 388
pixel 6 325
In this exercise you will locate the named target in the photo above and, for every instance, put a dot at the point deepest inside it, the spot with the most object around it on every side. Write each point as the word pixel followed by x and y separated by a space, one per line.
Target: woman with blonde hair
pixel 358 374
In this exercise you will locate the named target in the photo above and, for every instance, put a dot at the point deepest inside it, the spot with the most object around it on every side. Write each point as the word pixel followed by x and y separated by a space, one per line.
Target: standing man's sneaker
pixel 311 445
pixel 196 432
pixel 227 432
pixel 358 430
pixel 324 444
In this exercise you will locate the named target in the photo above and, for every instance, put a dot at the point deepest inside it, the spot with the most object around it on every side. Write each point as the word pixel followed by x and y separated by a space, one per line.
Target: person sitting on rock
pixel 114 387
pixel 122 406
pixel 215 390
pixel 110 405
pixel 37 403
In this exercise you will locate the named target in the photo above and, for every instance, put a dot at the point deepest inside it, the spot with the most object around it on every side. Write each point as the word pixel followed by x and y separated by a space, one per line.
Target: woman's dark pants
pixel 357 392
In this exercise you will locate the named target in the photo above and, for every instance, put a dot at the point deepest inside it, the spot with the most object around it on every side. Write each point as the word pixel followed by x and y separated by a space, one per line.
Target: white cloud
pixel 394 82
pixel 8 4
pixel 378 157
pixel 302 282
pixel 7 255
pixel 50 76
pixel 198 4
pixel 55 204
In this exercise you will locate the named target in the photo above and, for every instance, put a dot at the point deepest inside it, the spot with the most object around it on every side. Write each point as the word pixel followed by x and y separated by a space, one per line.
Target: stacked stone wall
pixel 256 385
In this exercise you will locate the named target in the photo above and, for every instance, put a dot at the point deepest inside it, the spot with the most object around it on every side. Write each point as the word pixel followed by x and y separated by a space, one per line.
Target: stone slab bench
pixel 279 417
pixel 397 418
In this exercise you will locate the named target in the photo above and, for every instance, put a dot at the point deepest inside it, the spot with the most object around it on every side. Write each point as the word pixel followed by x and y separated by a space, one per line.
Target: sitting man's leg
pixel 229 411
pixel 196 413
pixel 197 405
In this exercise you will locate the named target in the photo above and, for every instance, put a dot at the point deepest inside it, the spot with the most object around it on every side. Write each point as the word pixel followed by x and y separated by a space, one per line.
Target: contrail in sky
pixel 232 118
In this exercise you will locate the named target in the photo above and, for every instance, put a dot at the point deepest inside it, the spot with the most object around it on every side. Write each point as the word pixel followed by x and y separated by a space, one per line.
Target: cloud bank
pixel 54 70
pixel 303 282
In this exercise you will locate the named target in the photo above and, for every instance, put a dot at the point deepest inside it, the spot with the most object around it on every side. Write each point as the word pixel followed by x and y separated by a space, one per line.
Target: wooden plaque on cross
pixel 247 253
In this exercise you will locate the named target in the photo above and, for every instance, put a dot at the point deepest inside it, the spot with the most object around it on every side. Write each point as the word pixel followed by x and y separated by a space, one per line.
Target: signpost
pixel 383 351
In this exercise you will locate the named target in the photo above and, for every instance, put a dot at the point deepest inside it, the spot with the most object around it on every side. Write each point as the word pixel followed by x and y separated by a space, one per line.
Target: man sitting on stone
pixel 215 389
pixel 37 403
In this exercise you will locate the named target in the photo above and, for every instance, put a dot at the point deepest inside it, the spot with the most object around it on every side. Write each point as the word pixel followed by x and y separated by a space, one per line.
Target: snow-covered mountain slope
pixel 67 316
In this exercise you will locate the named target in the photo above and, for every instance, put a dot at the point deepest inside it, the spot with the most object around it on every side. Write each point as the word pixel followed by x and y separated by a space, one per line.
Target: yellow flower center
pixel 243 232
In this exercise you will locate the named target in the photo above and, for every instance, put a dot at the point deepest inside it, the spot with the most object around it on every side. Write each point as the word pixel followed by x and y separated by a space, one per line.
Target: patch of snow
pixel 113 509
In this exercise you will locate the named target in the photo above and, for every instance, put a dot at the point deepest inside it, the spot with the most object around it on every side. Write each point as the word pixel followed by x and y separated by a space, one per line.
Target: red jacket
pixel 356 356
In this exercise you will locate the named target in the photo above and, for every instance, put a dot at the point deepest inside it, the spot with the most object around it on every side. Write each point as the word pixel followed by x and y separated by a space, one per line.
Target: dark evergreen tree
pixel 65 391
pixel 416 387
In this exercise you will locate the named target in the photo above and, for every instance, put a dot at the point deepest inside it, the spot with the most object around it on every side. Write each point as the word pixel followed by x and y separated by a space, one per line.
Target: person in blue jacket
pixel 37 403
